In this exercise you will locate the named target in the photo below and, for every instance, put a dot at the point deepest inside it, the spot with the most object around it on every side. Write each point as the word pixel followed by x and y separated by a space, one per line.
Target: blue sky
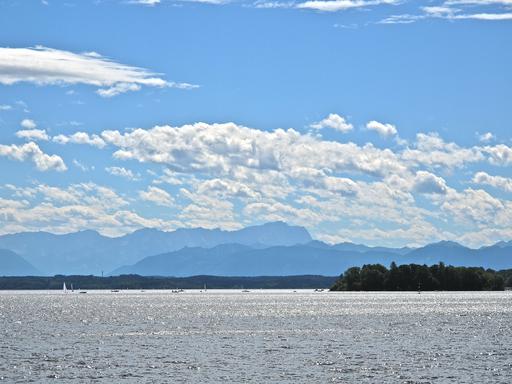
pixel 383 122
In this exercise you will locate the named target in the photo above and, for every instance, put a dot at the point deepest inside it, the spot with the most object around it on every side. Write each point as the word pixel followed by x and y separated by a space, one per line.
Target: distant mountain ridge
pixel 12 264
pixel 237 260
pixel 88 252
pixel 314 258
pixel 270 249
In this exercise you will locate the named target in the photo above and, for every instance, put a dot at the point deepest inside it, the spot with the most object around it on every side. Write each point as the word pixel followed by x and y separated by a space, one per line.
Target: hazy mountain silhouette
pixel 238 260
pixel 313 258
pixel 270 249
pixel 498 256
pixel 12 264
pixel 88 252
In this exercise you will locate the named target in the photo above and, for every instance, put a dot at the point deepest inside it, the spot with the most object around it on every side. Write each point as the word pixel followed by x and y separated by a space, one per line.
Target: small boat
pixel 319 290
pixel 114 290
pixel 64 289
pixel 82 292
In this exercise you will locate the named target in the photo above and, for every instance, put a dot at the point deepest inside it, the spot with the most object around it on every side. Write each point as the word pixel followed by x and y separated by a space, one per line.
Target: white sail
pixel 64 289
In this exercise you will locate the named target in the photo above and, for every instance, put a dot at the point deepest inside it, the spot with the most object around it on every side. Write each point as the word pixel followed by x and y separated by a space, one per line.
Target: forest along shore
pixel 411 277
pixel 148 282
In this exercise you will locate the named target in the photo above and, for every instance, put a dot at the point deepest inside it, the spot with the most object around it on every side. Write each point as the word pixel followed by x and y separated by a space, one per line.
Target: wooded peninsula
pixel 411 277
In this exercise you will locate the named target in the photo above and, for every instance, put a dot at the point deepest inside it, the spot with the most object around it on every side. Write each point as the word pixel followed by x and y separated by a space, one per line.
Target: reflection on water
pixel 260 336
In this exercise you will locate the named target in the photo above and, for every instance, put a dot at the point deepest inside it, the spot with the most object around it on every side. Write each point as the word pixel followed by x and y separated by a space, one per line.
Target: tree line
pixel 411 277
pixel 80 282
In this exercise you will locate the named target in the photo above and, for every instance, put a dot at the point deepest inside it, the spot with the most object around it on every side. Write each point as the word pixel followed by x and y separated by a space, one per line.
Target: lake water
pixel 260 337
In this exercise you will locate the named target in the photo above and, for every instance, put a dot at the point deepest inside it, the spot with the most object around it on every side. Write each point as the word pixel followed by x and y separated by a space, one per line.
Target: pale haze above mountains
pixel 272 249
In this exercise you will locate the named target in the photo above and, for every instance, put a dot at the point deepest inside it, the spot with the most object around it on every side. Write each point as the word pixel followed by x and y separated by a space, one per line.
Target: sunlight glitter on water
pixel 260 336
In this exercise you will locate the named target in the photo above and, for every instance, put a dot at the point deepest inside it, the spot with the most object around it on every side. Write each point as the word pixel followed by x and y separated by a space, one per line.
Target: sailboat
pixel 64 289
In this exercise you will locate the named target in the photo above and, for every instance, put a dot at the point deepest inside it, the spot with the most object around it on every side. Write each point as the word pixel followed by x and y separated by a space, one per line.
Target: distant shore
pixel 80 282
pixel 410 277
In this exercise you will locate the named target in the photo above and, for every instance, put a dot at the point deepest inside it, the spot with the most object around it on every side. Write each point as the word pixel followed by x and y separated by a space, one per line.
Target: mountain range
pixel 12 264
pixel 272 249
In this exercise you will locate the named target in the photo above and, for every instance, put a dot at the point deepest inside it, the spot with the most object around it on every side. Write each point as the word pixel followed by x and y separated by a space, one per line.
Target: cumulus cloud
pixel 383 129
pixel 476 207
pixel 31 151
pixel 46 66
pixel 5 107
pixel 499 182
pixel 76 207
pixel 432 151
pixel 333 121
pixel 221 149
pixel 426 182
pixel 80 138
pixel 227 189
pixel 500 154
pixel 230 175
pixel 157 196
pixel 122 172
pixel 33 134
pixel 486 137
pixel 28 124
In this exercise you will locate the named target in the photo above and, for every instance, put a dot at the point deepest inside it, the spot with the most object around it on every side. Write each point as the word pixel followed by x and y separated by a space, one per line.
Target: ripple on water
pixel 265 336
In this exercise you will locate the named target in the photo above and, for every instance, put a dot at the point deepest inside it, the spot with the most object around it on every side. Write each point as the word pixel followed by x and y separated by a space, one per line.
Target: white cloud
pixel 333 121
pixel 31 151
pixel 208 211
pixel 221 149
pixel 484 16
pixel 82 166
pixel 227 189
pixel 46 66
pixel 157 196
pixel 122 172
pixel 76 207
pixel 448 12
pixel 476 207
pixel 486 137
pixel 426 182
pixel 341 5
pixel 33 134
pixel 500 154
pixel 401 19
pixel 80 138
pixel 5 107
pixel 499 182
pixel 384 130
pixel 307 180
pixel 273 4
pixel 433 152
pixel 230 175
pixel 28 124
pixel 145 2
pixel 439 11
pixel 478 2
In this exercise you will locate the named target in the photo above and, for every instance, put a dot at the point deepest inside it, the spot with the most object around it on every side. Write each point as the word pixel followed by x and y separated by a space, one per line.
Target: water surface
pixel 260 336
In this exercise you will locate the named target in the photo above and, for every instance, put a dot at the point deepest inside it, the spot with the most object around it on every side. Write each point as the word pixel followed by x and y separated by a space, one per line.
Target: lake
pixel 260 336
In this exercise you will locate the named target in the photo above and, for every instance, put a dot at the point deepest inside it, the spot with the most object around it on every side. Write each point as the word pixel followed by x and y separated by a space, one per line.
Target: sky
pixel 382 122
